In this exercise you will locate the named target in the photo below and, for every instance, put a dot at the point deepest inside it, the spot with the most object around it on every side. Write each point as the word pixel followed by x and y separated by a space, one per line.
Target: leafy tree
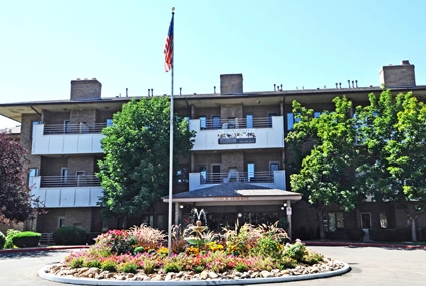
pixel 15 199
pixel 324 177
pixel 135 170
pixel 393 132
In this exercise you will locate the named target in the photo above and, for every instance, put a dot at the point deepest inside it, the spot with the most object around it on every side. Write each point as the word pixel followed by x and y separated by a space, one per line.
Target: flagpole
pixel 169 241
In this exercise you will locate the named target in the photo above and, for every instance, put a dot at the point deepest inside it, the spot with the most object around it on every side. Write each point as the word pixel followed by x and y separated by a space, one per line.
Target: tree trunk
pixel 320 216
pixel 413 228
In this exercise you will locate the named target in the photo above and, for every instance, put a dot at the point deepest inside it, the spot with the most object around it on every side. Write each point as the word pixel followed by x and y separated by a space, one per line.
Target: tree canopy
pixel 393 133
pixel 15 199
pixel 134 172
pixel 323 176
pixel 379 152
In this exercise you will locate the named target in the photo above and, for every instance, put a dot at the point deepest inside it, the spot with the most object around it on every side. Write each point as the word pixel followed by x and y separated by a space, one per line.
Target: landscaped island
pixel 138 254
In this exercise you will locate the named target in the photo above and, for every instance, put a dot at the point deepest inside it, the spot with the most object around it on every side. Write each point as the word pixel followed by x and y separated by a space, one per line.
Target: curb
pixel 34 249
pixel 88 281
pixel 364 244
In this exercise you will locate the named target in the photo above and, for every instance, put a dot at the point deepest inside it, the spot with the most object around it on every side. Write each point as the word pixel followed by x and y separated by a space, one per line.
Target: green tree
pixel 16 203
pixel 134 172
pixel 393 132
pixel 325 176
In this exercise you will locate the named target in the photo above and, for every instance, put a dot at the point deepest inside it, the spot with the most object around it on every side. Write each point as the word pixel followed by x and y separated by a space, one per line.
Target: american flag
pixel 168 48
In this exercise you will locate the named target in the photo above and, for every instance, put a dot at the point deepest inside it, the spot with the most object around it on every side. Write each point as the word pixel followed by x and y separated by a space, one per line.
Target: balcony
pixel 56 191
pixel 80 128
pixel 69 181
pixel 267 179
pixel 61 139
pixel 238 133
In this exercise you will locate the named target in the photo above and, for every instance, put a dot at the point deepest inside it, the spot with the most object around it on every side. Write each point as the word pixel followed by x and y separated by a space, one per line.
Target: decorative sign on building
pixel 236 136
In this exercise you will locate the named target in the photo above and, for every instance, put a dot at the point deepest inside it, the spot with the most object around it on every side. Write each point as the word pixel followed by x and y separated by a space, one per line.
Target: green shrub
pixel 10 233
pixel 423 232
pixel 390 235
pixel 109 265
pixel 70 235
pixel 355 234
pixel 26 239
pixel 128 267
pixel 2 240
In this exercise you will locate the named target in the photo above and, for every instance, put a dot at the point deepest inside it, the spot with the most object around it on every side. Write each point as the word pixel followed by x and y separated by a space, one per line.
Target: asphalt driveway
pixel 369 266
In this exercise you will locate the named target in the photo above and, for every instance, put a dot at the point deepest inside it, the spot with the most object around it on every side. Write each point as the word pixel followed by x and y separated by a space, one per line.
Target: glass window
pixel 216 122
pixel 33 172
pixel 250 171
pixel 109 122
pixel 383 220
pixel 67 124
pixel 249 120
pixel 291 120
pixel 334 221
pixel 203 122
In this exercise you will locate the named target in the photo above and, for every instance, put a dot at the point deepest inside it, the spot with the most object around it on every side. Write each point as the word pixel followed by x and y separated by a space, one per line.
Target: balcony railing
pixel 236 123
pixel 80 128
pixel 69 181
pixel 242 177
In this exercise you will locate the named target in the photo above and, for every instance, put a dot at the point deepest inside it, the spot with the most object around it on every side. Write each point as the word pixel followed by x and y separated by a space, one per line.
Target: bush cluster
pixel 400 234
pixel 70 235
pixel 15 238
pixel 2 240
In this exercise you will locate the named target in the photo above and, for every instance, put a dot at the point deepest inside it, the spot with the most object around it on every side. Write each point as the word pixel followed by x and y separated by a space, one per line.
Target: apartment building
pixel 237 169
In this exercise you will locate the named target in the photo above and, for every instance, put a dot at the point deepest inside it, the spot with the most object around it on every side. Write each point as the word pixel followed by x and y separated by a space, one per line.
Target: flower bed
pixel 247 252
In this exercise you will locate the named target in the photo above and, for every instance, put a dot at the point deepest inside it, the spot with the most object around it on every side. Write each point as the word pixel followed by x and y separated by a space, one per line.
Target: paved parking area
pixel 370 266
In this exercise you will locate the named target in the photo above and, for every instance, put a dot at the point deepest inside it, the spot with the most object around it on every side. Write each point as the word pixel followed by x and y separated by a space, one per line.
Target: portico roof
pixel 234 194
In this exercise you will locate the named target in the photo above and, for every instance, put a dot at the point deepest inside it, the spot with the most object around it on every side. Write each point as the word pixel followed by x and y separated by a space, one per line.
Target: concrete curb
pixel 34 249
pixel 87 281
pixel 364 244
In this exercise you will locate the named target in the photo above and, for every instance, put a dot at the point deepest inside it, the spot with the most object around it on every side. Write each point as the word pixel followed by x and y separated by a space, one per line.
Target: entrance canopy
pixel 234 193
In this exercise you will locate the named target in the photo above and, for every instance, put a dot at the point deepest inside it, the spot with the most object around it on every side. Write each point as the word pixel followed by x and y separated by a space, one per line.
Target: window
pixel 383 220
pixel 250 171
pixel 109 122
pixel 365 220
pixel 291 120
pixel 67 124
pixel 334 221
pixel 216 122
pixel 203 174
pixel 61 221
pixel 33 172
pixel 182 175
pixel 273 166
pixel 203 122
pixel 249 121
pixel 64 175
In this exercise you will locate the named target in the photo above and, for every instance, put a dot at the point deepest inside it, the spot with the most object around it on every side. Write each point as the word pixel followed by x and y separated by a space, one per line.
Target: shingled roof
pixel 233 191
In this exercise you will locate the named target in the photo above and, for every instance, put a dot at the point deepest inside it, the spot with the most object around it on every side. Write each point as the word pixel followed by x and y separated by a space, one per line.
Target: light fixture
pixel 181 206
pixel 285 204
pixel 282 208
pixel 240 214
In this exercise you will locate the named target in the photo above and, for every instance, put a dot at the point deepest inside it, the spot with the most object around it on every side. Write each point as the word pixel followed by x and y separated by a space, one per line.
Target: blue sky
pixel 46 44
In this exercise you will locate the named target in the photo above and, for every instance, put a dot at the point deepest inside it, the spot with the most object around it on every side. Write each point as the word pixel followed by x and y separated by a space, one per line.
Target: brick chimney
pixel 398 76
pixel 85 89
pixel 231 83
